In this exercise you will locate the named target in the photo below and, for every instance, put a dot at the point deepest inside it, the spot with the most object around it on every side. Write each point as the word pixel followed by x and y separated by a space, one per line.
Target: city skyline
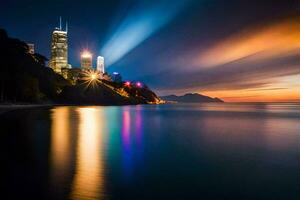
pixel 59 60
pixel 150 99
pixel 213 52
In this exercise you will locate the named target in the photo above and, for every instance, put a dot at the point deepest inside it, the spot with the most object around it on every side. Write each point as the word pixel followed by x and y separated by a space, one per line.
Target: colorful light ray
pixel 142 22
pixel 91 78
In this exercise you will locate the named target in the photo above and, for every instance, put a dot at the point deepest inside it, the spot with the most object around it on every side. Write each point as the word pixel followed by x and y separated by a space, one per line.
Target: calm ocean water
pixel 180 151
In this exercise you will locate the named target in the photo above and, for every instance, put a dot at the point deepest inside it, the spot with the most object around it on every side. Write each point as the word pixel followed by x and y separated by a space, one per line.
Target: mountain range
pixel 191 98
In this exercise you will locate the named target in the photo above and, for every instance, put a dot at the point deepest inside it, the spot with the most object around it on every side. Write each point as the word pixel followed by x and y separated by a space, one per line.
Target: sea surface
pixel 178 151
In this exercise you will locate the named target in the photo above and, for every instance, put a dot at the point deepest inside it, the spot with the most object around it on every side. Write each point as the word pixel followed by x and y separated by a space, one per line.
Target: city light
pixel 127 83
pixel 86 54
pixel 86 60
pixel 59 51
pixel 100 64
pixel 91 77
pixel 139 84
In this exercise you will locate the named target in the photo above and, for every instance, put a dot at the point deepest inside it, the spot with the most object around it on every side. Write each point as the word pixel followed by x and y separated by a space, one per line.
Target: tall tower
pixel 59 49
pixel 100 64
pixel 86 60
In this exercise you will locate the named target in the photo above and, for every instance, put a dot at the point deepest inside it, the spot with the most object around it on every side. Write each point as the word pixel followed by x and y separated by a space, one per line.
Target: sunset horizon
pixel 253 58
pixel 150 99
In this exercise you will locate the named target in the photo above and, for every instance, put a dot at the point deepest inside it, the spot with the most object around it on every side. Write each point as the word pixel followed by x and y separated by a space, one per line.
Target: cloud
pixel 256 59
pixel 267 41
pixel 241 74
pixel 268 89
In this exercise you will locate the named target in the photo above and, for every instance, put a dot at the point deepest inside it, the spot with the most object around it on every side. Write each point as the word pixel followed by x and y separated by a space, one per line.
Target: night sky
pixel 238 50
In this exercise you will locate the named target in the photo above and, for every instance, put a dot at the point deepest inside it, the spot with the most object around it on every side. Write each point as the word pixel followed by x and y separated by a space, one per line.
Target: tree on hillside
pixel 25 77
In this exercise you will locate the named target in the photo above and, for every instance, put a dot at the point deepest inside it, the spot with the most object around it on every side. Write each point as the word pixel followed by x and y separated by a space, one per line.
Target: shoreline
pixel 6 107
pixel 10 107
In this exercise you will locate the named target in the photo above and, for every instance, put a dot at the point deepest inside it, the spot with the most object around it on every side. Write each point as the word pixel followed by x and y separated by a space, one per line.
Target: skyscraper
pixel 100 64
pixel 86 60
pixel 59 49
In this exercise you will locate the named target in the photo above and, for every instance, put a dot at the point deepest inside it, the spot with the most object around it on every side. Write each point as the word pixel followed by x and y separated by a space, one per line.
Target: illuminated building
pixel 30 48
pixel 116 77
pixel 86 60
pixel 59 49
pixel 72 74
pixel 100 64
pixel 106 77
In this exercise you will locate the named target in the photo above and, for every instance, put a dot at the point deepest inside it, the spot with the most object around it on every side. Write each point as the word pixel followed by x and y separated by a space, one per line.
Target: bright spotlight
pixel 142 22
pixel 127 83
pixel 86 54
pixel 139 84
pixel 91 77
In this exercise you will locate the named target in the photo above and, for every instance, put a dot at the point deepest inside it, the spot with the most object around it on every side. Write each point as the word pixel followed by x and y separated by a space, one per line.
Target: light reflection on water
pixel 88 125
pixel 183 151
pixel 60 144
pixel 88 181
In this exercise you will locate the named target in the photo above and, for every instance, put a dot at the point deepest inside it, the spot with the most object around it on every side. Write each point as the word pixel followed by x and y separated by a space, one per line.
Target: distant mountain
pixel 191 98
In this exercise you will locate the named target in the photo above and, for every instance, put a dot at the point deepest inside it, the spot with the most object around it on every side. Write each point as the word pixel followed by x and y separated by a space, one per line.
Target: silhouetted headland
pixel 25 79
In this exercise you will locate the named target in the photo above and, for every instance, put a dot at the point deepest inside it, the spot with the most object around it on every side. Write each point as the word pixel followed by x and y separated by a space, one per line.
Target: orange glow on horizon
pixel 256 46
pixel 265 42
pixel 289 95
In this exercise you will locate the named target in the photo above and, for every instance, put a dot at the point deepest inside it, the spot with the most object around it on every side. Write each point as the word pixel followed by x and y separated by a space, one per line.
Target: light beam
pixel 138 25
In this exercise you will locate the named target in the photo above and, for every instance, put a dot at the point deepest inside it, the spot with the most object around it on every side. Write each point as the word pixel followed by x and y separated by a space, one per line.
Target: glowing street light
pixel 91 77
pixel 139 84
pixel 127 83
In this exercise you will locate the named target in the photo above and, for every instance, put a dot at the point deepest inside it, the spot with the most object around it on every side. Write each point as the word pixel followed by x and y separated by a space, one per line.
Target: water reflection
pixel 61 152
pixel 153 152
pixel 126 130
pixel 126 144
pixel 78 143
pixel 282 135
pixel 138 125
pixel 60 139
pixel 88 181
pixel 132 142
